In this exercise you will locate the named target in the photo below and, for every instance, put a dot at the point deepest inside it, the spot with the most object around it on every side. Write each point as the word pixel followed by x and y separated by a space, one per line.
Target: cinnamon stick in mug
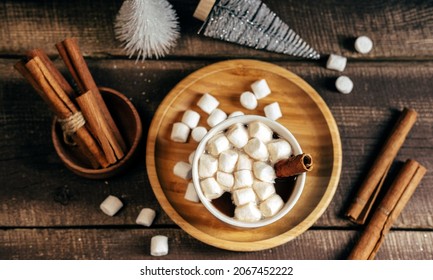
pixel 294 165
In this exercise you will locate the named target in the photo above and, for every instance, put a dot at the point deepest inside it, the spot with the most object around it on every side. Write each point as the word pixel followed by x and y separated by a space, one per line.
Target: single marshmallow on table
pixel 273 111
pixel 244 162
pixel 278 149
pixel 344 84
pixel 111 205
pixel 211 189
pixel 198 133
pixel 182 169
pixel 243 178
pixel 208 103
pixel 264 171
pixel 236 113
pixel 180 132
pixel 207 166
pixel 216 117
pixel 336 62
pixel 191 194
pixel 191 118
pixel 363 44
pixel 256 149
pixel 248 100
pixel 218 144
pixel 271 205
pixel 146 217
pixel 263 190
pixel 191 157
pixel 248 213
pixel 227 161
pixel 261 131
pixel 226 180
pixel 159 245
pixel 260 88
pixel 243 196
pixel 237 135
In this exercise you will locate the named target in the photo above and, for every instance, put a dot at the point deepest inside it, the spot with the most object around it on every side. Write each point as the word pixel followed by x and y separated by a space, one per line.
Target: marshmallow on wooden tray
pixel 248 213
pixel 237 135
pixel 182 169
pixel 256 149
pixel 264 171
pixel 273 111
pixel 226 180
pixel 260 130
pixel 227 161
pixel 146 217
pixel 216 117
pixel 180 132
pixel 336 62
pixel 363 44
pixel 271 206
pixel 344 84
pixel 278 149
pixel 211 188
pixel 248 100
pixel 243 178
pixel 243 196
pixel 217 144
pixel 263 190
pixel 198 133
pixel 236 113
pixel 207 166
pixel 260 88
pixel 208 103
pixel 111 205
pixel 191 193
pixel 191 118
pixel 191 157
pixel 244 162
pixel 159 245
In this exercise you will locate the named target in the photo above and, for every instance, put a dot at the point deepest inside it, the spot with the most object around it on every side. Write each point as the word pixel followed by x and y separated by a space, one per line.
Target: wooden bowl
pixel 128 121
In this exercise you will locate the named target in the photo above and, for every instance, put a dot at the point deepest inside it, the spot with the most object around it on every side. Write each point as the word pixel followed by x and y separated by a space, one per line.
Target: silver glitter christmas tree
pixel 251 23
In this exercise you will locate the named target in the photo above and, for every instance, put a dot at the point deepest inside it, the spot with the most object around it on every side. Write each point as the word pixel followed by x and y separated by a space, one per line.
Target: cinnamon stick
pixel 367 193
pixel 294 165
pixel 388 210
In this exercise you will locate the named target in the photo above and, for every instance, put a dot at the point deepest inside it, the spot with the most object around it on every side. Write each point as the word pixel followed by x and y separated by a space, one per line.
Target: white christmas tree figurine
pixel 147 28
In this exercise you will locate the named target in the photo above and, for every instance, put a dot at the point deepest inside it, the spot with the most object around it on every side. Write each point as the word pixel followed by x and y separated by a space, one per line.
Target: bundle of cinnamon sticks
pixel 83 115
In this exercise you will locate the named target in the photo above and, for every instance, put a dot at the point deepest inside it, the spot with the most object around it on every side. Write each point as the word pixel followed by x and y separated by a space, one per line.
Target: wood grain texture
pixel 399 29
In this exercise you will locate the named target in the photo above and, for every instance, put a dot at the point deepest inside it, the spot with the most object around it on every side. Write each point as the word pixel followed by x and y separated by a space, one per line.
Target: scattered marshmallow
pixel 218 144
pixel 191 118
pixel 237 135
pixel 261 131
pixel 191 193
pixel 260 88
pixel 226 180
pixel 180 132
pixel 146 217
pixel 243 178
pixel 191 157
pixel 248 213
pixel 244 162
pixel 278 149
pixel 273 111
pixel 243 196
pixel 111 205
pixel 263 190
pixel 216 117
pixel 236 113
pixel 207 166
pixel 182 169
pixel 159 245
pixel 256 149
pixel 208 103
pixel 198 133
pixel 271 206
pixel 211 189
pixel 344 84
pixel 363 44
pixel 336 62
pixel 264 171
pixel 227 161
pixel 248 100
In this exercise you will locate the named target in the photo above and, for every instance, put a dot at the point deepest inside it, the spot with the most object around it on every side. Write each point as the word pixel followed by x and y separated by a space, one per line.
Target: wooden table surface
pixel 47 212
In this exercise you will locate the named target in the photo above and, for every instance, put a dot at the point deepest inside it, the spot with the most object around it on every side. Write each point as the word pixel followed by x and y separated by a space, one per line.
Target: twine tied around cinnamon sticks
pixel 70 126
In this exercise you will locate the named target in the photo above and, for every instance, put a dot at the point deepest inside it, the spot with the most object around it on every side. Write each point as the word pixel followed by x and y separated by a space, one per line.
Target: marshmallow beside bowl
pixel 283 133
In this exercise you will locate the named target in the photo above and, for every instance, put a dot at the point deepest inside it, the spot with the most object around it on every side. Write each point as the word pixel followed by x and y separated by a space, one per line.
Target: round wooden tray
pixel 305 114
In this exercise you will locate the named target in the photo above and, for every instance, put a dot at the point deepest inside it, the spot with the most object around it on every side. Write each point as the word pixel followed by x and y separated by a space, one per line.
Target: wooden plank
pixel 128 244
pixel 400 29
pixel 34 181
